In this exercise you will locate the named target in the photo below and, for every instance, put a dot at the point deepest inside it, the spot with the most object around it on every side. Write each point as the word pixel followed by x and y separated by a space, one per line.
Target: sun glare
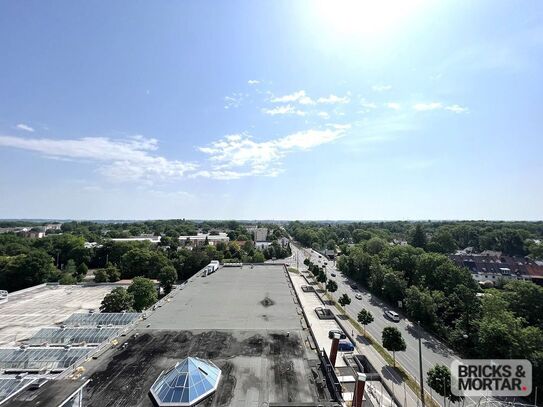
pixel 365 17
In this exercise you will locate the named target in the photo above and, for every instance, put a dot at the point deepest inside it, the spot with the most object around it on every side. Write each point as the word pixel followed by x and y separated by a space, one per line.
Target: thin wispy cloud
pixel 234 100
pixel 239 155
pixel 299 97
pixel 334 99
pixel 381 88
pixel 393 105
pixel 253 82
pixel 128 159
pixel 283 110
pixel 25 127
pixel 424 107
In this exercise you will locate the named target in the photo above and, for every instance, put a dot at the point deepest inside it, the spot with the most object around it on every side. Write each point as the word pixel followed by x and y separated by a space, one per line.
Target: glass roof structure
pixel 102 318
pixel 187 383
pixel 41 358
pixel 9 386
pixel 69 336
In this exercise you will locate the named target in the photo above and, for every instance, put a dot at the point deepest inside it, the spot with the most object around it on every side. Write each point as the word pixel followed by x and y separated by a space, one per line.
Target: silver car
pixel 392 315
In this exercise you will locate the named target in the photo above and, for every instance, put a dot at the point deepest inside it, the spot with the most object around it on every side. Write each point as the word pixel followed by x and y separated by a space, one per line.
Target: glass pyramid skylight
pixel 187 383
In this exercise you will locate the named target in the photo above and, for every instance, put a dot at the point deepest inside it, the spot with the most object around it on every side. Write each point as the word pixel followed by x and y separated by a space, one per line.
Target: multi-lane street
pixel 433 351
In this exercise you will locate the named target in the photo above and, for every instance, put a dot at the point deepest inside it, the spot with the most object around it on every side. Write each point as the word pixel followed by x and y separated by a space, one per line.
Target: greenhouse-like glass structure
pixel 186 384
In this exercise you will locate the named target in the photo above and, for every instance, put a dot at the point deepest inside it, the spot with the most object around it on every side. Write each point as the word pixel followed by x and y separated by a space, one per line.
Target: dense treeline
pixel 512 238
pixel 64 257
pixel 505 323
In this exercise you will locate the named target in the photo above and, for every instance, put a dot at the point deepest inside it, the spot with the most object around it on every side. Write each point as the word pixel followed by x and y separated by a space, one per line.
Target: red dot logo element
pixel 524 388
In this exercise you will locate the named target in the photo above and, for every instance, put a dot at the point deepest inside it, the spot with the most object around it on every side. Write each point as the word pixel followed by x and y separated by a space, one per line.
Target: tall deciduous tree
pixel 344 300
pixel 118 300
pixel 393 341
pixel 167 277
pixel 418 237
pixel 439 379
pixel 331 286
pixel 144 293
pixel 365 318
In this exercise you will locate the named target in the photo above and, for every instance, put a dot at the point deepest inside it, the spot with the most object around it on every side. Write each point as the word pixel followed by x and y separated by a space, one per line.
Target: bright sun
pixel 365 17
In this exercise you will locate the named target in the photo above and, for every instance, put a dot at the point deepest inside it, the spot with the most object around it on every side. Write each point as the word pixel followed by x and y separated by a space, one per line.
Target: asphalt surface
pixel 433 351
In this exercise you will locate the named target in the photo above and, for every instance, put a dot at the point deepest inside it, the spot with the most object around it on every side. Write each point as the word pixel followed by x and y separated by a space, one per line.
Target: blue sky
pixel 271 110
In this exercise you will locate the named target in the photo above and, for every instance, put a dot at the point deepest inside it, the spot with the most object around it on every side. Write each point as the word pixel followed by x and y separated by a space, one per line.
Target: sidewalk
pixel 390 378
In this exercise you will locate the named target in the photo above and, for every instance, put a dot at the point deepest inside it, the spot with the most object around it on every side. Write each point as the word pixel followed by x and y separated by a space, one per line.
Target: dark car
pixel 354 286
pixel 333 274
pixel 345 346
pixel 336 331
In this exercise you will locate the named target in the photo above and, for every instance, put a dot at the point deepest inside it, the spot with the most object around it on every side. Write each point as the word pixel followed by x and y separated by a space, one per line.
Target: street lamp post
pixel 420 367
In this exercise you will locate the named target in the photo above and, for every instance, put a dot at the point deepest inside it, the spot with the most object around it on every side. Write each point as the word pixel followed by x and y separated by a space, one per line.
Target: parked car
pixel 332 332
pixel 358 296
pixel 354 286
pixel 392 315
pixel 333 274
pixel 345 346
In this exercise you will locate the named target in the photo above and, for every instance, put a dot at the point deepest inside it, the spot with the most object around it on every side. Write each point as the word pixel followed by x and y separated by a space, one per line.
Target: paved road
pixel 433 351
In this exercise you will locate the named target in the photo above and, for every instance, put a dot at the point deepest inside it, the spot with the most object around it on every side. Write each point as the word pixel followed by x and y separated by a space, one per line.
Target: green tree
pixel 393 341
pixel 27 270
pixel 365 318
pixel 344 300
pixel 331 286
pixel 321 277
pixel 70 267
pixel 67 279
pixel 439 379
pixel 167 278
pixel 258 257
pixel 118 300
pixel 82 271
pixel 144 292
pixel 418 237
pixel 420 305
pixel 100 276
pixel 394 286
pixel 113 273
pixel 375 245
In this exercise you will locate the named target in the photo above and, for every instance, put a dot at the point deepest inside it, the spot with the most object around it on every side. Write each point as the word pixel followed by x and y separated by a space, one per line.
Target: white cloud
pixel 456 109
pixel 324 115
pixel 393 105
pixel 253 82
pixel 302 98
pixel 367 104
pixel 333 99
pixel 424 107
pixel 285 109
pixel 238 155
pixel 381 88
pixel 25 127
pixel 234 100
pixel 299 97
pixel 127 159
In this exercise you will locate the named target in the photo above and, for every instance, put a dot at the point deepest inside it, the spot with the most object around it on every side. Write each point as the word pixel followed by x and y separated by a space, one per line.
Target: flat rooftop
pixel 257 367
pixel 26 312
pixel 233 298
pixel 244 319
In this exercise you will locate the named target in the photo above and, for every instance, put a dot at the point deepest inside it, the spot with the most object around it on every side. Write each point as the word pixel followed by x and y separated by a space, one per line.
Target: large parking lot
pixel 26 312
pixel 233 298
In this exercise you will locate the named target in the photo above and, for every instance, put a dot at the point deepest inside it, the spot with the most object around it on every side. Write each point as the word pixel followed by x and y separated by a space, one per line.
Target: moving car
pixel 336 331
pixel 358 296
pixel 392 315
pixel 345 346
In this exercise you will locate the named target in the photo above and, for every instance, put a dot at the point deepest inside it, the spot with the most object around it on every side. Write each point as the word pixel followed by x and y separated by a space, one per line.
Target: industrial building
pixel 236 337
